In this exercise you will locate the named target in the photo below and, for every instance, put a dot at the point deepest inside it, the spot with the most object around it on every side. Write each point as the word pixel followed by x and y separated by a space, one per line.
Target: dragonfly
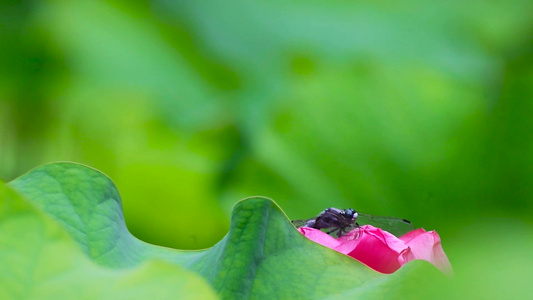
pixel 341 221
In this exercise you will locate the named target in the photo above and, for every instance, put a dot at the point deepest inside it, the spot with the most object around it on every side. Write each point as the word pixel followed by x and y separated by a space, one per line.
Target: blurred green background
pixel 412 109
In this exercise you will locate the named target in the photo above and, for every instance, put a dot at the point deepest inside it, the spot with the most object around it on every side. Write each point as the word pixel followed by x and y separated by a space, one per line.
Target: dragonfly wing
pixel 396 226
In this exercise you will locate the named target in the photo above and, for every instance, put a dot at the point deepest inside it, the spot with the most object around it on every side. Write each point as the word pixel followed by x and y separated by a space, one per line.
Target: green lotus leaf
pixel 40 260
pixel 262 256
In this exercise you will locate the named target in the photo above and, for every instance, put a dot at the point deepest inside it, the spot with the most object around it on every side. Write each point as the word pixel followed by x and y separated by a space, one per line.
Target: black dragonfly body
pixel 341 221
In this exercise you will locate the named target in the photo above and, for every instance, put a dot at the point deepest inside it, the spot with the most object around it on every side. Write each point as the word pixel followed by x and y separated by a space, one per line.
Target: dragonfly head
pixel 351 214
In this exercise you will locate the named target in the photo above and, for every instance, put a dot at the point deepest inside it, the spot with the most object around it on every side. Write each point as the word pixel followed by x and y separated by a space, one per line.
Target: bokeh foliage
pixel 411 109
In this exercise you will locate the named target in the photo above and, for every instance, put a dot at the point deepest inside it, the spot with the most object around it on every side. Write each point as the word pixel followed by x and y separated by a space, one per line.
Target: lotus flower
pixel 382 251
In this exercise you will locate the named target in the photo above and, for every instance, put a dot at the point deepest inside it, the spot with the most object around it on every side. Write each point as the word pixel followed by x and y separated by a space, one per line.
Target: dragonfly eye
pixel 349 213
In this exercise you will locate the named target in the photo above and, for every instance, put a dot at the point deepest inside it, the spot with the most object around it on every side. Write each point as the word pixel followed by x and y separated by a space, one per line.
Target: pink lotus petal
pixel 412 234
pixel 427 246
pixel 376 248
pixel 382 251
pixel 320 237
